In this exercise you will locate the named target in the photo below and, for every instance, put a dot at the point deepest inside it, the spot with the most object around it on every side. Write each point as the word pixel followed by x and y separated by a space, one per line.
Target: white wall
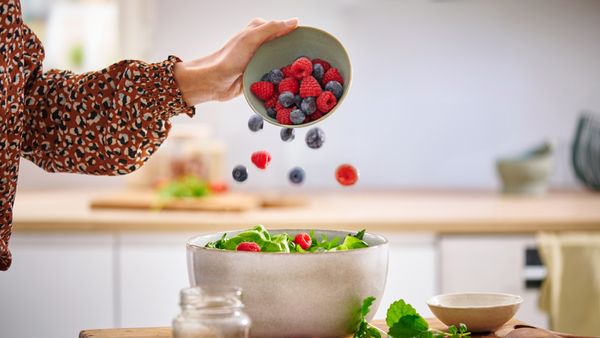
pixel 440 88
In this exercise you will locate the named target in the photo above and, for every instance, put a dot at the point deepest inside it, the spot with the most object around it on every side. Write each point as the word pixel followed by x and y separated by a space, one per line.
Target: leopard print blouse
pixel 106 122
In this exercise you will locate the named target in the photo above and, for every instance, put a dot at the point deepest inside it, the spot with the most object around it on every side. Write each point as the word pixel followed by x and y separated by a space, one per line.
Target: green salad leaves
pixel 285 243
pixel 403 321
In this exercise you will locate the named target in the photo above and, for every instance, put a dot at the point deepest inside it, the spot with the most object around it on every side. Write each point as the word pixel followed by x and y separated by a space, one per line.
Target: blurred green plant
pixel 184 187
pixel 76 55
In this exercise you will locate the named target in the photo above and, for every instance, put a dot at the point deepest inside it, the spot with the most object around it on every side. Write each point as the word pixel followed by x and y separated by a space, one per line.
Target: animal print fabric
pixel 106 122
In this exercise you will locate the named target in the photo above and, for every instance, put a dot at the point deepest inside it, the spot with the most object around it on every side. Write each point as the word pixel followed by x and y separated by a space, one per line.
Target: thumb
pixel 276 28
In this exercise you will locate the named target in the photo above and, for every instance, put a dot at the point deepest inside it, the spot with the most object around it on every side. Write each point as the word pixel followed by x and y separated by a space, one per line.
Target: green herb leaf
pixel 397 310
pixel 409 326
pixel 404 322
pixel 363 329
pixel 366 306
pixel 350 243
pixel 372 332
pixel 360 235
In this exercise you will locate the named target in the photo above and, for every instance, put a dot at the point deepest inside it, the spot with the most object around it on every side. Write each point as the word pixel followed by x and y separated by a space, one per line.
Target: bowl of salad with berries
pixel 298 79
pixel 304 283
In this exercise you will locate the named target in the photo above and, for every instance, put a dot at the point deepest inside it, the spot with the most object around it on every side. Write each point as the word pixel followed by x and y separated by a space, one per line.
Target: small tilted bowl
pixel 293 294
pixel 303 41
pixel 479 311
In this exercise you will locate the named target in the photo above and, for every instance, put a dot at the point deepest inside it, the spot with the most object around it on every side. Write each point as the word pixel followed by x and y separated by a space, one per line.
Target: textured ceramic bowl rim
pixel 347 84
pixel 434 301
pixel 191 245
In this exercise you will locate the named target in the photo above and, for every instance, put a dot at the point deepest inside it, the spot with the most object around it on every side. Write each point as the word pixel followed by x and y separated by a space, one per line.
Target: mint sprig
pixel 404 322
pixel 363 329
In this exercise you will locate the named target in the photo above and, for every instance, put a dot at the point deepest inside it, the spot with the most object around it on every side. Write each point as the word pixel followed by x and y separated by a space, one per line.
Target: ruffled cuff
pixel 164 90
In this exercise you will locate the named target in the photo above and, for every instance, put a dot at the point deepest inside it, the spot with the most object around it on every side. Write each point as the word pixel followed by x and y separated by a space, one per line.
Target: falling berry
pixel 287 134
pixel 297 175
pixel 346 174
pixel 240 173
pixel 315 138
pixel 261 159
pixel 255 123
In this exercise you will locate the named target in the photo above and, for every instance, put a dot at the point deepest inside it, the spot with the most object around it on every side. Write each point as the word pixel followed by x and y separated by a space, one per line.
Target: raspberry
pixel 270 103
pixel 248 246
pixel 301 67
pixel 314 116
pixel 261 159
pixel 332 75
pixel 310 87
pixel 323 63
pixel 287 71
pixel 283 115
pixel 346 174
pixel 303 239
pixel 264 90
pixel 289 84
pixel 326 101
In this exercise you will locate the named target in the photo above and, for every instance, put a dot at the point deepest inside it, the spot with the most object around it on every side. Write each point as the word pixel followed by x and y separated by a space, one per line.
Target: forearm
pixel 104 123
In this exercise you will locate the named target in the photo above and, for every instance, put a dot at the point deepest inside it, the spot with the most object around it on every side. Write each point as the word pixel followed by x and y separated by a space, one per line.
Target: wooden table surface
pixel 401 211
pixel 165 332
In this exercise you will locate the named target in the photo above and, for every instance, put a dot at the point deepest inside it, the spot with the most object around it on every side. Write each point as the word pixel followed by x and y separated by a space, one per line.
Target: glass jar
pixel 208 312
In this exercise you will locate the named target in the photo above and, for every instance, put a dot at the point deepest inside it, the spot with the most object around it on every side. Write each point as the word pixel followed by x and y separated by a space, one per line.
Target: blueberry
pixel 272 113
pixel 309 105
pixel 315 138
pixel 240 173
pixel 297 116
pixel 275 76
pixel 255 123
pixel 287 134
pixel 297 175
pixel 298 101
pixel 287 99
pixel 318 72
pixel 336 88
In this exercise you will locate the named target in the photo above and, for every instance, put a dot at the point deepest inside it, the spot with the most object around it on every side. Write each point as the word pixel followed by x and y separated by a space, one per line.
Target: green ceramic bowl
pixel 303 41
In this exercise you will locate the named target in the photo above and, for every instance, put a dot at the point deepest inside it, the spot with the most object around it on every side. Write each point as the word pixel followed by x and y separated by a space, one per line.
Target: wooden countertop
pixel 408 211
pixel 165 332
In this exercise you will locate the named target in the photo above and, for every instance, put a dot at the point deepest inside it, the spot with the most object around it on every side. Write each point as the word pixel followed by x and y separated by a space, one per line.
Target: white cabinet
pixel 490 263
pixel 58 284
pixel 412 273
pixel 151 270
pixel 67 282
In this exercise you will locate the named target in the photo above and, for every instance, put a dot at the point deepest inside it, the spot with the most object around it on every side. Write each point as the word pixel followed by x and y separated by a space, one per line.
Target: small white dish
pixel 479 311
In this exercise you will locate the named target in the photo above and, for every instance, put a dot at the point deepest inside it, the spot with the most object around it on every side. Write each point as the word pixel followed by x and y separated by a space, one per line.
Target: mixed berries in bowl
pixel 298 79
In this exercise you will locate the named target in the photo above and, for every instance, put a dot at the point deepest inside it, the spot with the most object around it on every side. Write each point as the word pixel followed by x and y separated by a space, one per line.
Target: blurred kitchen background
pixel 441 90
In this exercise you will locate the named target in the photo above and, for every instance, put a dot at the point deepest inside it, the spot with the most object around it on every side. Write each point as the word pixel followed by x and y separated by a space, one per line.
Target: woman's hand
pixel 219 76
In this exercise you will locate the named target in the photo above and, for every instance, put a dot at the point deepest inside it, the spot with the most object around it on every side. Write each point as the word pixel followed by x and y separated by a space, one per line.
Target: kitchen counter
pixel 402 211
pixel 165 332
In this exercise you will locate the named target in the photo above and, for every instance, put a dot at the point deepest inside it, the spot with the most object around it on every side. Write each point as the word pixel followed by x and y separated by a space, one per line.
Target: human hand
pixel 218 76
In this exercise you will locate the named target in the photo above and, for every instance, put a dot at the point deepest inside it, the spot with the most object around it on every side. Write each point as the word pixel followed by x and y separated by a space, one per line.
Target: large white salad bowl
pixel 295 295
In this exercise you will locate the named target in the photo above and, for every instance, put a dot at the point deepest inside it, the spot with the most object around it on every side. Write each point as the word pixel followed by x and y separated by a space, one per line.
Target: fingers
pixel 256 22
pixel 273 29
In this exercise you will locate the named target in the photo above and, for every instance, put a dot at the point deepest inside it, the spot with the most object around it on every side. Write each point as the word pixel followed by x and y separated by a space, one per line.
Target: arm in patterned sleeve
pixel 106 122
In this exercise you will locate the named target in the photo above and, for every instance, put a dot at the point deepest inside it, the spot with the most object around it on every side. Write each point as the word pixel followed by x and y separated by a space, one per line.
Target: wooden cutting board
pixel 165 332
pixel 149 200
